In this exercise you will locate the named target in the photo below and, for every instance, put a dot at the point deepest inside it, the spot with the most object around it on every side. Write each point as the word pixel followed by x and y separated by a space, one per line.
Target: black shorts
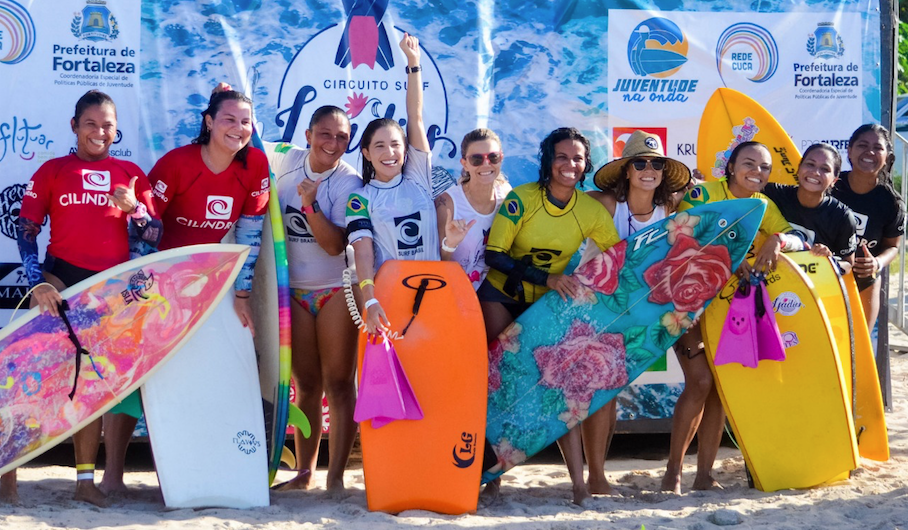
pixel 68 273
pixel 489 293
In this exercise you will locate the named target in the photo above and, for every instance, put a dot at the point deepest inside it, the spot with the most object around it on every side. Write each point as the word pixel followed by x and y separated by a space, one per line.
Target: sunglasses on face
pixel 658 164
pixel 477 159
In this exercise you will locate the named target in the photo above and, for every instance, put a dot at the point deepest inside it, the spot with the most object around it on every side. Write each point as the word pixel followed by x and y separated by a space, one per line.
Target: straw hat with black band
pixel 641 144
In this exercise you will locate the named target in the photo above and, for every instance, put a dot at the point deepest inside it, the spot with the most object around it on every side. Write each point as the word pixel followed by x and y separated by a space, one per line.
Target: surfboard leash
pixel 80 351
pixel 420 292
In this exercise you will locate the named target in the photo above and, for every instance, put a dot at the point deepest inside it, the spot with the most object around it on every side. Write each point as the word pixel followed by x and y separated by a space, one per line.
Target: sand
pixel 533 497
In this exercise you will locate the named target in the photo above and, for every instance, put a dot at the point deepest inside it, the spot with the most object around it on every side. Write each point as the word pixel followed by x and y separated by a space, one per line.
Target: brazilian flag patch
pixel 698 195
pixel 356 205
pixel 511 208
pixel 283 148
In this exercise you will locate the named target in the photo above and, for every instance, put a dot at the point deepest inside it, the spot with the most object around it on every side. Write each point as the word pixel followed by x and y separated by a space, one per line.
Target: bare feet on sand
pixel 581 494
pixel 672 482
pixel 86 491
pixel 599 485
pixel 706 483
pixel 302 481
pixel 112 488
pixel 490 493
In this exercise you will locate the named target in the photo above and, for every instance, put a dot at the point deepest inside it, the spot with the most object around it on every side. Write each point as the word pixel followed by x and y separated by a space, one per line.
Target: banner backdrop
pixel 519 67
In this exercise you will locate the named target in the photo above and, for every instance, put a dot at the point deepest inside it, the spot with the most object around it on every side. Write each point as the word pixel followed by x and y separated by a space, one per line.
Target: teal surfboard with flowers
pixel 561 361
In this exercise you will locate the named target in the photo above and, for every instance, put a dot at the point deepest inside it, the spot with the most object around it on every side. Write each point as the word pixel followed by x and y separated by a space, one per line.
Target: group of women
pixel 327 204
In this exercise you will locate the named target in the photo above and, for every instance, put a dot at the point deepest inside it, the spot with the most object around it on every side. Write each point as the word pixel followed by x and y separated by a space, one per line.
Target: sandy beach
pixel 533 497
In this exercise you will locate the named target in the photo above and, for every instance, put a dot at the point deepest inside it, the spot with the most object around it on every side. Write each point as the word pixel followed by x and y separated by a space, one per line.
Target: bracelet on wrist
pixel 370 302
pixel 139 212
pixel 312 208
pixel 445 247
pixel 238 295
pixel 413 69
pixel 367 281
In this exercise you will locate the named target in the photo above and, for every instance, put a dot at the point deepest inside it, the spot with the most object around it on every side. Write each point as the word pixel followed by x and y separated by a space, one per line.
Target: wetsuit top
pixel 471 251
pixel 877 213
pixel 86 229
pixel 398 215
pixel 311 268
pixel 198 206
pixel 830 223
pixel 715 191
pixel 529 228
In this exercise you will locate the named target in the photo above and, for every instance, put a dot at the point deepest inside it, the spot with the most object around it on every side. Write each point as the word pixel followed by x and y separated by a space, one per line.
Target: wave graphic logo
pixel 657 48
pixel 219 207
pixel 17 32
pixel 749 49
pixel 95 180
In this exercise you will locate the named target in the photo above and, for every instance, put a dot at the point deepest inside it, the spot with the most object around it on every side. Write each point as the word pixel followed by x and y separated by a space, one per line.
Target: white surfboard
pixel 205 420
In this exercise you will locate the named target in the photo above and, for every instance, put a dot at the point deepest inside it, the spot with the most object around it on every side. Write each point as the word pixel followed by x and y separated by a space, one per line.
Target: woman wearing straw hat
pixel 637 190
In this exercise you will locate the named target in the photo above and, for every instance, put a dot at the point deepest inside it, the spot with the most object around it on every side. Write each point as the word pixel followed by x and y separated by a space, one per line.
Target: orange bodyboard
pixel 433 463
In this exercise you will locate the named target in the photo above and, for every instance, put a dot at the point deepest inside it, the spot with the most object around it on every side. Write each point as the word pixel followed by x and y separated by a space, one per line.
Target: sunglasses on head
pixel 477 159
pixel 658 164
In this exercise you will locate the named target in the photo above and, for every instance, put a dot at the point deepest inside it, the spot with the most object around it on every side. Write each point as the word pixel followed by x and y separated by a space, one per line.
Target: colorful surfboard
pixel 730 118
pixel 433 463
pixel 561 361
pixel 131 318
pixel 792 418
pixel 869 412
pixel 271 311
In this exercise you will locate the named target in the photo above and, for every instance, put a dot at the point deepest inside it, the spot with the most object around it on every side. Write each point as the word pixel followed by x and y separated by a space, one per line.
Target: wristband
pixel 139 212
pixel 240 296
pixel 312 208
pixel 413 69
pixel 370 302
pixel 364 283
pixel 876 261
pixel 445 247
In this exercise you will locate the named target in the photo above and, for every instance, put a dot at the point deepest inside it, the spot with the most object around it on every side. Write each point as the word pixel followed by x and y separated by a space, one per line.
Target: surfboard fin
pixel 298 419
pixel 738 341
pixel 385 393
pixel 288 458
pixel 769 339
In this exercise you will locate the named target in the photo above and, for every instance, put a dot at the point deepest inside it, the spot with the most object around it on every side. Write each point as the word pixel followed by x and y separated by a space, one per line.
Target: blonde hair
pixel 478 135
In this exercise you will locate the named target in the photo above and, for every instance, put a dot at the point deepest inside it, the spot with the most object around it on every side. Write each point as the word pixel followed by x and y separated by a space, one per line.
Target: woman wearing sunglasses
pixel 534 234
pixel 699 410
pixel 637 190
pixel 465 212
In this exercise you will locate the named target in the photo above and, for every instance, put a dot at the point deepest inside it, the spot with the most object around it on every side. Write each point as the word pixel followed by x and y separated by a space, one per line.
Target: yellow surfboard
pixel 791 418
pixel 870 418
pixel 730 118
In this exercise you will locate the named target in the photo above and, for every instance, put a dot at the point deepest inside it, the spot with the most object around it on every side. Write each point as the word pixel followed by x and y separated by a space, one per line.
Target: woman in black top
pixel 878 210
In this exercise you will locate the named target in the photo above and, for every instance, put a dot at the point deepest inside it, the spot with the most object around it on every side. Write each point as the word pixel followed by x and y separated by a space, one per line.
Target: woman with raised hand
pixel 393 217
pixel 313 185
pixel 87 237
pixel 537 229
pixel 465 211
pixel 878 210
pixel 637 190
pixel 825 223
pixel 201 191
pixel 699 410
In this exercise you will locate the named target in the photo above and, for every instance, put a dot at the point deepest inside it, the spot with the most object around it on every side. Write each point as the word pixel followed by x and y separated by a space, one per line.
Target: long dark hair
pixel 734 156
pixel 366 140
pixel 884 177
pixel 622 187
pixel 214 106
pixel 90 99
pixel 547 154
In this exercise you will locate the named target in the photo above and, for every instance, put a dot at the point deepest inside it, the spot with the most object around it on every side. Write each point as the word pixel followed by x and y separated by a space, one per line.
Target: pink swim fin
pixel 738 341
pixel 385 393
pixel 769 340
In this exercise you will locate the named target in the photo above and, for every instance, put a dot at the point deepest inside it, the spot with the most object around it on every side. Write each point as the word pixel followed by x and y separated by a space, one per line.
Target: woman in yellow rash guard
pixel 536 231
pixel 699 410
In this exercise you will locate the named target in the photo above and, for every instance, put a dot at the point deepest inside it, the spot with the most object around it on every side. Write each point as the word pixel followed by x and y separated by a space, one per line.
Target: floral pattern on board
pixel 680 224
pixel 690 275
pixel 602 274
pixel 584 362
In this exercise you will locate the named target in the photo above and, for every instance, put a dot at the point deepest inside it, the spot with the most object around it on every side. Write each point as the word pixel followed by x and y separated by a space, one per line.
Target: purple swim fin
pixel 738 341
pixel 769 340
pixel 412 410
pixel 379 394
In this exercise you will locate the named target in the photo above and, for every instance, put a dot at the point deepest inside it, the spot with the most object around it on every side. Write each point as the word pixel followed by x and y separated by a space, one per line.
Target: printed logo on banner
pixel 17 32
pixel 95 180
pixel 357 65
pixel 657 49
pixel 747 50
pixel 825 43
pixel 826 77
pixel 95 22
pixel 219 207
pixel 620 136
